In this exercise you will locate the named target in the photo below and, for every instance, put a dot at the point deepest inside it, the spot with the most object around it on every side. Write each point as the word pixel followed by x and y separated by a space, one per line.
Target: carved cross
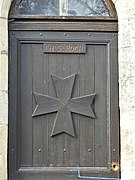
pixel 64 105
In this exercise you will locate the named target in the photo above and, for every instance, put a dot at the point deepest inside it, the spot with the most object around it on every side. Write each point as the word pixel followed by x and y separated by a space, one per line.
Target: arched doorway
pixel 63 114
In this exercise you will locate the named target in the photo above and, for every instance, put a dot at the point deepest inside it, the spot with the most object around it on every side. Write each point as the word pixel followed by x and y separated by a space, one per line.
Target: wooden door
pixel 63 114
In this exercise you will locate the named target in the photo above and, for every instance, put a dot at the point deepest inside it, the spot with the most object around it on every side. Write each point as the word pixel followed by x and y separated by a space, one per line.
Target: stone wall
pixel 4 7
pixel 126 16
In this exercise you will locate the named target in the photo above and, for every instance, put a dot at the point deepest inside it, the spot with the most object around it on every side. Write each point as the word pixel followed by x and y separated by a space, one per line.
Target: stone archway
pixel 126 17
pixel 4 7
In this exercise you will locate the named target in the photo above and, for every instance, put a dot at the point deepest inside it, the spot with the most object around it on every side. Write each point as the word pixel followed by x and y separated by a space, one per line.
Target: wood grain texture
pixel 13 146
pixel 101 106
pixel 96 72
pixel 40 132
pixel 26 101
pixel 67 26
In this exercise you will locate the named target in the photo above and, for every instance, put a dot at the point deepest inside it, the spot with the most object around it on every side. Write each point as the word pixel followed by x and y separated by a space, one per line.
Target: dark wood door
pixel 63 111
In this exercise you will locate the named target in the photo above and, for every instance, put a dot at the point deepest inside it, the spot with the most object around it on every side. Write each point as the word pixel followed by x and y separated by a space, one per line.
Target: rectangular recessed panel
pixel 65 135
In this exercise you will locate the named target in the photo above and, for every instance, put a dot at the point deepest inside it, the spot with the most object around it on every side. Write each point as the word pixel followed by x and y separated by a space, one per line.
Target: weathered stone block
pixel 127 95
pixel 128 145
pixel 124 35
pixel 3 34
pixel 126 62
pixel 3 108
pixel 4 72
pixel 132 33
pixel 3 152
pixel 4 7
pixel 125 8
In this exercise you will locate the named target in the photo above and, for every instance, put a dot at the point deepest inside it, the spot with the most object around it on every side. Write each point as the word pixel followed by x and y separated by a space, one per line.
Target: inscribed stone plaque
pixel 64 48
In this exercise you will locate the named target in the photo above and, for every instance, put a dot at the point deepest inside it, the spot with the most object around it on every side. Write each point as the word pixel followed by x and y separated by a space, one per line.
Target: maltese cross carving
pixel 64 105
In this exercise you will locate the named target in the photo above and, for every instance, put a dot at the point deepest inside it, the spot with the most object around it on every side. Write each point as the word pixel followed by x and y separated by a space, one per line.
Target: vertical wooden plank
pixel 40 133
pixel 47 135
pixel 55 142
pixel 26 105
pixel 12 130
pixel 100 105
pixel 86 123
pixel 114 121
pixel 89 84
pixel 71 155
pixel 63 69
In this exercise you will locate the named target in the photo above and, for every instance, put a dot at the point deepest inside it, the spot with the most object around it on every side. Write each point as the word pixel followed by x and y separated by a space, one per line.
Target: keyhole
pixel 115 166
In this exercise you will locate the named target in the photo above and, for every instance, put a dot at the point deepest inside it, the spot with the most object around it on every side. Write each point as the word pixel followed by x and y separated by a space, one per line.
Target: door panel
pixel 93 149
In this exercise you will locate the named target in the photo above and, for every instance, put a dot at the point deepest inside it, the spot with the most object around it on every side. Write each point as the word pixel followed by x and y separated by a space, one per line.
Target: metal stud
pixel 89 150
pixel 65 34
pixel 39 150
pixel 64 150
pixel 89 34
pixel 13 33
pixel 114 150
pixel 40 34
